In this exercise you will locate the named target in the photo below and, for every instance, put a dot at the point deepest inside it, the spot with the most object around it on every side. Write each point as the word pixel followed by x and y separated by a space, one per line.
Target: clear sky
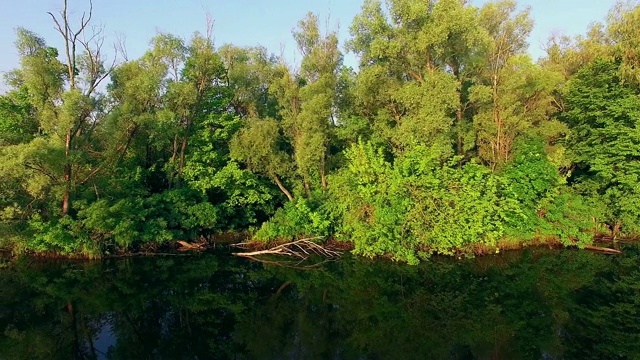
pixel 248 22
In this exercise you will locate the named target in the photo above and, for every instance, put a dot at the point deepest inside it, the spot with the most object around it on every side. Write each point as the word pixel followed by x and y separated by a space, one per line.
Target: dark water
pixel 535 304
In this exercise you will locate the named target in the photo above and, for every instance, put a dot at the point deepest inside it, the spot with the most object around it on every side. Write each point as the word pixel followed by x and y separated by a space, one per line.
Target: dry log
pixel 602 249
pixel 185 246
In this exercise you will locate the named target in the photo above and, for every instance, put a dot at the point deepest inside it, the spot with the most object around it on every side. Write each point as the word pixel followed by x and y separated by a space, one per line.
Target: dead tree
pixel 93 73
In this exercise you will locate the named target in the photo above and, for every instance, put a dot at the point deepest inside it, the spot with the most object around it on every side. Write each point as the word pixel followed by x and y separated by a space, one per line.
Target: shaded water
pixel 534 304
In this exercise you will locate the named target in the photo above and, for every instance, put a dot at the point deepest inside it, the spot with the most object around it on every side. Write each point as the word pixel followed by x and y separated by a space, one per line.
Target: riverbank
pixel 230 241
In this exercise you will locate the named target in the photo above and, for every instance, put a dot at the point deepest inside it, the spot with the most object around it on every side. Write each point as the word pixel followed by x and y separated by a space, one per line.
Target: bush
pixel 297 219
pixel 104 225
pixel 545 205
pixel 418 206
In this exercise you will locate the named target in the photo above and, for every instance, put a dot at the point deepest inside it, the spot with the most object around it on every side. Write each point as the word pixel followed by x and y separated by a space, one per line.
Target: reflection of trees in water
pixel 520 305
pixel 606 314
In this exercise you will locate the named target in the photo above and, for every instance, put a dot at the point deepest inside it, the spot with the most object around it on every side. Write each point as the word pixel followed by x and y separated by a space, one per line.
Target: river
pixel 537 303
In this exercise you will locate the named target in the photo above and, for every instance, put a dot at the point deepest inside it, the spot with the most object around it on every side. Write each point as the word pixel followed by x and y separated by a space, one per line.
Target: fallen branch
pixel 301 249
pixel 185 246
pixel 602 249
pixel 143 254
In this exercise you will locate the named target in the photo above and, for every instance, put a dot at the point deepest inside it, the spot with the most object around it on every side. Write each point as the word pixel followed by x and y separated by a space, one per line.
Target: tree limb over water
pixel 302 249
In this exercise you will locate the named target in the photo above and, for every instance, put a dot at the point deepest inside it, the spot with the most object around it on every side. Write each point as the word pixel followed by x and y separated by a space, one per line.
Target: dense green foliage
pixel 534 304
pixel 447 138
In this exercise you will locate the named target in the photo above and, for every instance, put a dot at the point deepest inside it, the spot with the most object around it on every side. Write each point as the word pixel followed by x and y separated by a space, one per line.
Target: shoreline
pixel 228 240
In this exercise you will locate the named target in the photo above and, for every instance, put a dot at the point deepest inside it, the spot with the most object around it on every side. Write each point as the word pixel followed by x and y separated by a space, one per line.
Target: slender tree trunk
pixel 183 148
pixel 323 172
pixel 282 188
pixel 459 130
pixel 307 187
pixel 175 148
pixel 497 148
pixel 173 159
pixel 67 175
pixel 459 113
pixel 459 119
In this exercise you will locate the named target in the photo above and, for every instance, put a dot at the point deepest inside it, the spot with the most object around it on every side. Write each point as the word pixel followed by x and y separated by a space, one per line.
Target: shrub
pixel 297 219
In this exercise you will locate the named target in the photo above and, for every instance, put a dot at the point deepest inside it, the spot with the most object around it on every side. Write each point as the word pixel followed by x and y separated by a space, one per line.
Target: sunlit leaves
pixel 604 116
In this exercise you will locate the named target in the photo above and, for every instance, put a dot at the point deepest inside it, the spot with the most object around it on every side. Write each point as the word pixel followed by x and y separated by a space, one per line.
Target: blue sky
pixel 249 22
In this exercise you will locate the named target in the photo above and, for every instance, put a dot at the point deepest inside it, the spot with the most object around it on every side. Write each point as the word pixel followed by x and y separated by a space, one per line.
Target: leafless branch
pixel 121 47
pixel 210 24
pixel 93 48
pixel 301 249
pixel 39 168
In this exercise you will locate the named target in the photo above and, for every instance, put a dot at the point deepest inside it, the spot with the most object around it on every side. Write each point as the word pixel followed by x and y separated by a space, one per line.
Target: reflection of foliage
pixel 520 305
pixel 607 314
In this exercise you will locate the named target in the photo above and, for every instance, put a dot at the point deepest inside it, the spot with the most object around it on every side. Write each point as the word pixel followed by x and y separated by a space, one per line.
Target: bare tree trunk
pixel 183 148
pixel 460 144
pixel 173 159
pixel 175 148
pixel 323 172
pixel 67 175
pixel 459 113
pixel 498 122
pixel 459 119
pixel 282 188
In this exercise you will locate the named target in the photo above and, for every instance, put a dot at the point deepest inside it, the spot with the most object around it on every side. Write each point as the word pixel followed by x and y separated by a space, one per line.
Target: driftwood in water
pixel 301 249
pixel 185 246
pixel 602 249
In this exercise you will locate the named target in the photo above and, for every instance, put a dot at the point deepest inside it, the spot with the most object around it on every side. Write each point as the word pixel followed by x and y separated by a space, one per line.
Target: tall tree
pixel 249 72
pixel 259 146
pixel 604 115
pixel 319 71
pixel 306 100
pixel 497 125
pixel 623 33
pixel 85 71
pixel 415 62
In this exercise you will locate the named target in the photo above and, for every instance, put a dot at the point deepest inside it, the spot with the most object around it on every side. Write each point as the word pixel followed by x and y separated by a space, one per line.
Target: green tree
pixel 64 102
pixel 603 114
pixel 258 145
pixel 496 123
pixel 250 72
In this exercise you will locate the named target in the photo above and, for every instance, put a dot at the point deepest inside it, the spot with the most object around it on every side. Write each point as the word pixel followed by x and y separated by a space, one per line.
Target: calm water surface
pixel 534 304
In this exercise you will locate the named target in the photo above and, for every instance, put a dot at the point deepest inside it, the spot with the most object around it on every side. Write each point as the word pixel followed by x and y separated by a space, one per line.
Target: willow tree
pixel 319 72
pixel 140 128
pixel 85 70
pixel 416 62
pixel 65 102
pixel 461 42
pixel 623 33
pixel 249 73
pixel 30 157
pixel 306 101
pixel 259 146
pixel 498 125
